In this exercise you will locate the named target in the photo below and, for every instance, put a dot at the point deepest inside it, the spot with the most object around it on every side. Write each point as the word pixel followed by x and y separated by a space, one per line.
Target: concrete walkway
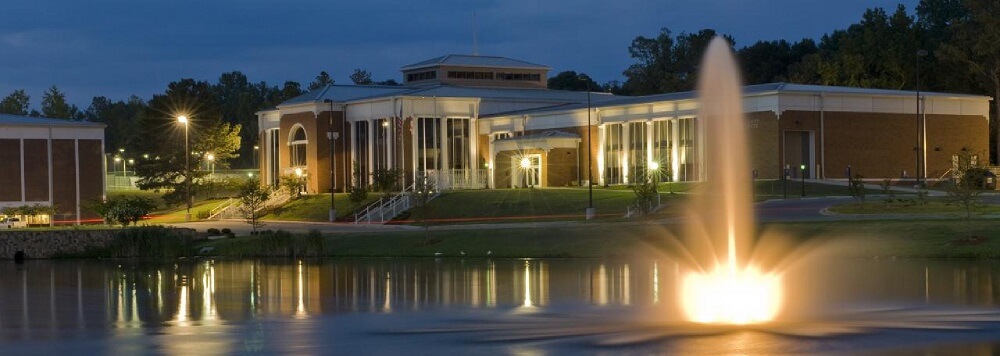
pixel 875 186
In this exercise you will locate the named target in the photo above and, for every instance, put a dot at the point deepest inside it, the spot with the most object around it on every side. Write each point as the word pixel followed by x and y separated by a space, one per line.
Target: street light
pixel 333 168
pixel 920 53
pixel 211 162
pixel 187 166
pixel 130 161
pixel 590 169
pixel 802 175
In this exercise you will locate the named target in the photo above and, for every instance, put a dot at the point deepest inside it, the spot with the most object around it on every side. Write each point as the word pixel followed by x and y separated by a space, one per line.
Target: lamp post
pixel 920 53
pixel 119 159
pixel 187 167
pixel 211 163
pixel 130 161
pixel 298 174
pixel 802 175
pixel 590 171
pixel 333 169
pixel 655 167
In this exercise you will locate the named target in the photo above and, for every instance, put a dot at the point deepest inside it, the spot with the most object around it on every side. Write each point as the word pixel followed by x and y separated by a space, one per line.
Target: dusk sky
pixel 117 48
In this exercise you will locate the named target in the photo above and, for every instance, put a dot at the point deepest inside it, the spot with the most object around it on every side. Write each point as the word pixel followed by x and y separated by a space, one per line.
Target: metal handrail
pixel 215 212
pixel 383 204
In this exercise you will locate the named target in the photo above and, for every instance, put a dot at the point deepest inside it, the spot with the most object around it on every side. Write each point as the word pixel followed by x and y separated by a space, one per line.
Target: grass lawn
pixel 910 206
pixel 178 214
pixel 316 207
pixel 917 239
pixel 507 205
pixel 770 189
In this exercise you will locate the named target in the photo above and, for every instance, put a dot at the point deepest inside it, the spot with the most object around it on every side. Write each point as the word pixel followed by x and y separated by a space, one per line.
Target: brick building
pixel 472 122
pixel 51 162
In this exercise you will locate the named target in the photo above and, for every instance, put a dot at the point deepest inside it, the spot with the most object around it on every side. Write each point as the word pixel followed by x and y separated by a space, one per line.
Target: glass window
pixel 613 154
pixel 297 147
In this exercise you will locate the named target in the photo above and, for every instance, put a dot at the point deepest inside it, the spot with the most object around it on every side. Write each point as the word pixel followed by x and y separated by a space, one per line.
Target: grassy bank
pixel 316 207
pixel 910 206
pixel 924 239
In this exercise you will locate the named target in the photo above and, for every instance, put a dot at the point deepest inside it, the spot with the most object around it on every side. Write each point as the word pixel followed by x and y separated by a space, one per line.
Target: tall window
pixel 272 156
pixel 297 147
pixel 381 146
pixel 613 154
pixel 686 148
pixel 458 143
pixel 662 137
pixel 428 143
pixel 637 159
pixel 361 152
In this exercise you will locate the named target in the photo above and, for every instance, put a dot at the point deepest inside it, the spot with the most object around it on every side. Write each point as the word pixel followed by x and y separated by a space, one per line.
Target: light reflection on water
pixel 55 300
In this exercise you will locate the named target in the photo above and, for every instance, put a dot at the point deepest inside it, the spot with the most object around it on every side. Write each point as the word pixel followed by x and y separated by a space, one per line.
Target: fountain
pixel 725 287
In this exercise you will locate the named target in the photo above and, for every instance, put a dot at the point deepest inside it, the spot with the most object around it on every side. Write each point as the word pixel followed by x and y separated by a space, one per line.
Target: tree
pixel 974 43
pixel 54 105
pixel 775 61
pixel 293 184
pixel 388 82
pixel 222 140
pixel 163 138
pixel 122 119
pixel 322 80
pixel 124 210
pixel 15 103
pixel 665 63
pixel 253 198
pixel 966 190
pixel 570 80
pixel 361 77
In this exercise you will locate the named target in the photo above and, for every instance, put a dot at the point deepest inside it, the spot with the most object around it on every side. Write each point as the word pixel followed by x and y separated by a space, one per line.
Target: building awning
pixel 543 141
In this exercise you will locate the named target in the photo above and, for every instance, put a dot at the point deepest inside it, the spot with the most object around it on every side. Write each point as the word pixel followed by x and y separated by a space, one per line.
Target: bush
pixel 124 210
pixel 213 232
pixel 358 194
pixel 386 180
pixel 227 231
pixel 149 242
pixel 203 214
pixel 975 177
pixel 230 235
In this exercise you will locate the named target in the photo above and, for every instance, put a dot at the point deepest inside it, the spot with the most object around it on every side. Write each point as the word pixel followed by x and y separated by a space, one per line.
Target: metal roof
pixel 20 120
pixel 747 90
pixel 344 93
pixel 465 60
pixel 349 93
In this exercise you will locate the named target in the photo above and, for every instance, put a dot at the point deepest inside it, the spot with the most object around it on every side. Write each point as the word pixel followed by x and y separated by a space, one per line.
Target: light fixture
pixel 525 163
pixel 654 166
pixel 298 172
pixel 182 119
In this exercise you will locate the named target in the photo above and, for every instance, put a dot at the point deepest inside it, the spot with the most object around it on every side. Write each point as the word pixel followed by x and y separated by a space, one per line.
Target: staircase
pixel 387 208
pixel 231 208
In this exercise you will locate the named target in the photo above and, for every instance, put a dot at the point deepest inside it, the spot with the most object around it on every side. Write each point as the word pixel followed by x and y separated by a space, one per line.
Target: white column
pixel 371 147
pixel 474 150
pixel 649 142
pixel 675 136
pixel 601 137
pixel 626 151
pixel 390 152
pixel 354 153
pixel 443 163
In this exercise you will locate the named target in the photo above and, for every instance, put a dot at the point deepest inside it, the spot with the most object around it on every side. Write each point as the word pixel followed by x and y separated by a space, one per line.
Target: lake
pixel 442 305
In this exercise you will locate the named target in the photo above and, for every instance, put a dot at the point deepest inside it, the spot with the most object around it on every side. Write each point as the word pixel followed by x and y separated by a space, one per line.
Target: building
pixel 51 162
pixel 473 122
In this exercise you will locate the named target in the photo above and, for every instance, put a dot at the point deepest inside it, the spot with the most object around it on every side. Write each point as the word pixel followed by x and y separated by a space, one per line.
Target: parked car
pixel 13 223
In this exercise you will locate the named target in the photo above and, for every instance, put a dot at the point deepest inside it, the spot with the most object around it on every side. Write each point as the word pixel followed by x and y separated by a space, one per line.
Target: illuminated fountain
pixel 725 286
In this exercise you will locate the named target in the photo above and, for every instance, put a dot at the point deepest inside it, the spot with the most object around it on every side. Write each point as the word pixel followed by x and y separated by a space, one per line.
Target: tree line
pixel 953 42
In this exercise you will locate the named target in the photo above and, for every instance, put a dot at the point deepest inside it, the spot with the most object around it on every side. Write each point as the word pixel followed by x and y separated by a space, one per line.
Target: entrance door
pixel 528 171
pixel 798 153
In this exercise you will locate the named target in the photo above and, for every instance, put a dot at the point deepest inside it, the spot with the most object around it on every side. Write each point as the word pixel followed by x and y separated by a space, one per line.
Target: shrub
pixel 150 242
pixel 386 180
pixel 124 210
pixel 203 214
pixel 226 231
pixel 358 194
pixel 213 232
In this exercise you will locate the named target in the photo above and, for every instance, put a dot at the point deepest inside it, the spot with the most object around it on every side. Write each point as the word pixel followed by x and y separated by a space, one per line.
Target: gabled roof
pixel 20 120
pixel 464 60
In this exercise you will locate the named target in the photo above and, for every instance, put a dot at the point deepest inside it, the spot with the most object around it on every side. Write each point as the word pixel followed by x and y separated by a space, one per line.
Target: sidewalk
pixel 874 186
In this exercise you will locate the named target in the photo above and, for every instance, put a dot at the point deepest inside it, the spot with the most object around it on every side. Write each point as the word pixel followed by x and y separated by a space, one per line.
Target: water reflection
pixel 44 299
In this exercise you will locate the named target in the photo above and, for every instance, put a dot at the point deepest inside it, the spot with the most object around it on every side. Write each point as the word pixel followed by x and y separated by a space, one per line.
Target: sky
pixel 118 48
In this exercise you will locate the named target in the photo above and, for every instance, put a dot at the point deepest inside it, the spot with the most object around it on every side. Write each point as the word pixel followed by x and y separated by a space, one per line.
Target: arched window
pixel 297 147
